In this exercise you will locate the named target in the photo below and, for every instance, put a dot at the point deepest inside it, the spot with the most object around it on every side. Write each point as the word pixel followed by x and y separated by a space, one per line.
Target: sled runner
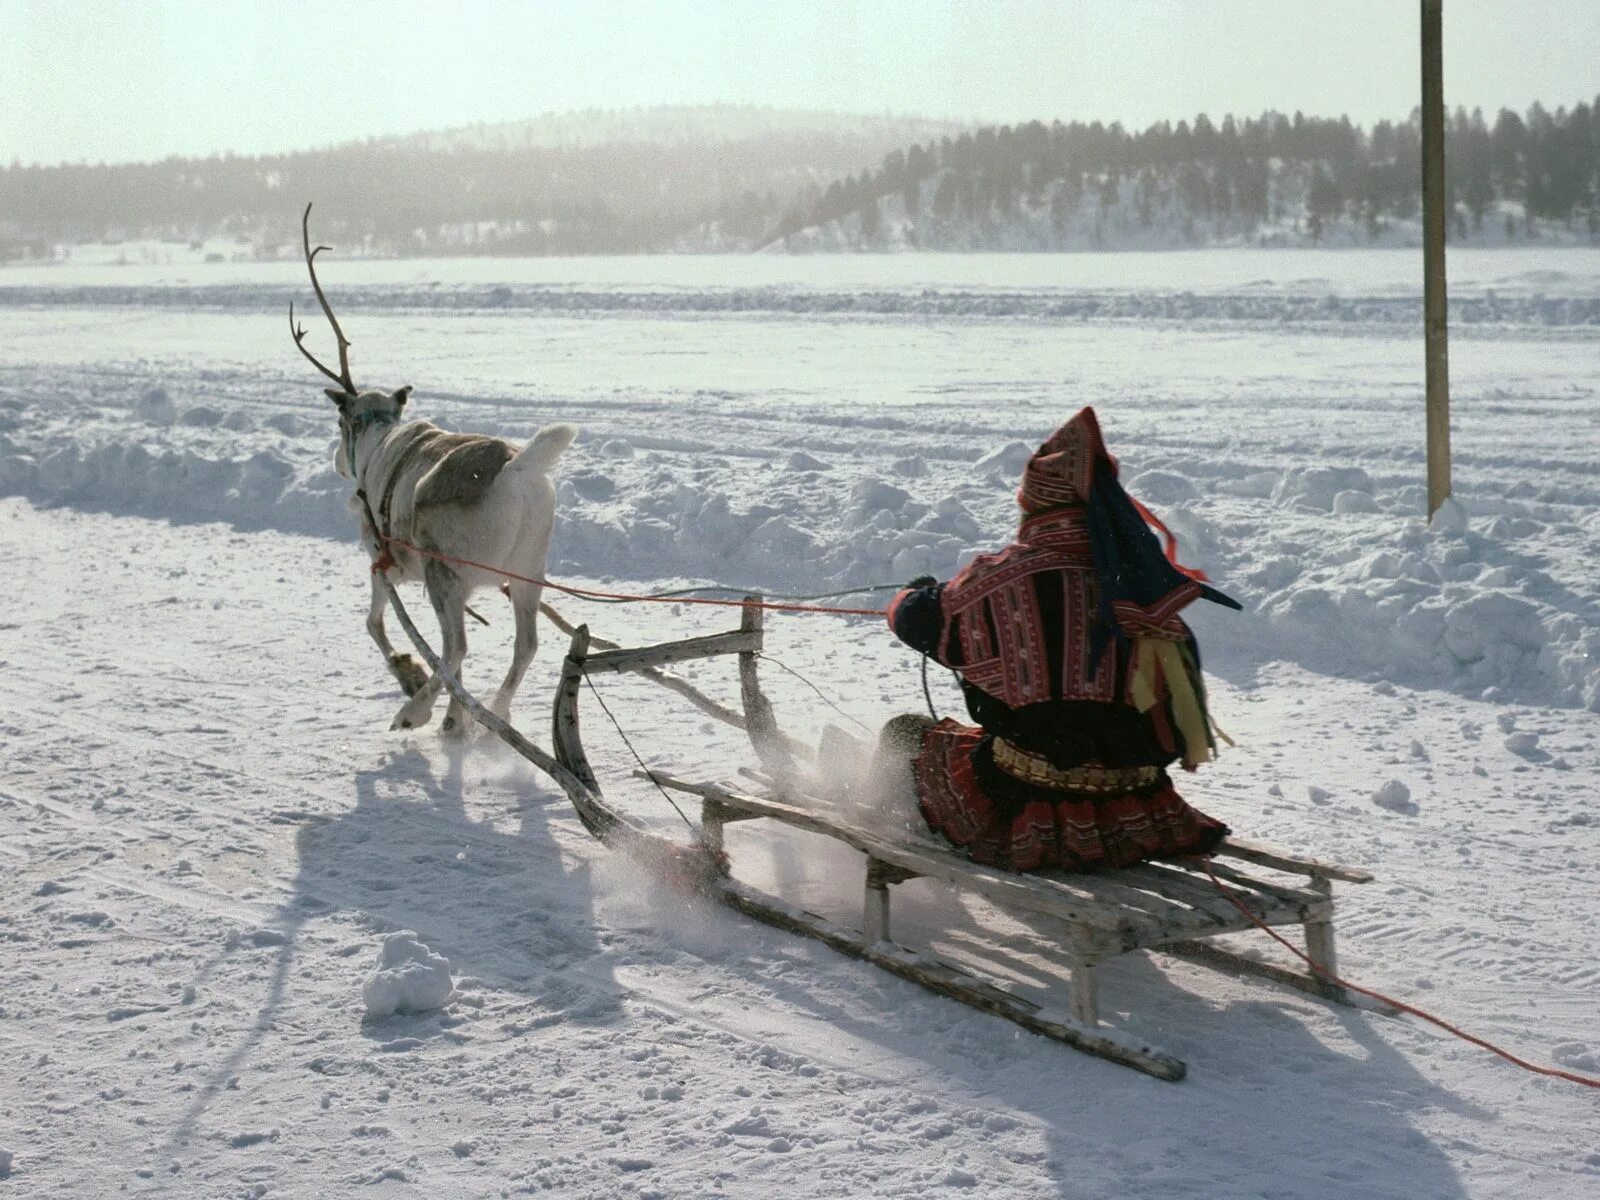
pixel 1171 907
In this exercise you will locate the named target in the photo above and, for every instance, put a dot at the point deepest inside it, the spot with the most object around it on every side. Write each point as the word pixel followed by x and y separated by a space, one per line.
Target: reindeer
pixel 461 495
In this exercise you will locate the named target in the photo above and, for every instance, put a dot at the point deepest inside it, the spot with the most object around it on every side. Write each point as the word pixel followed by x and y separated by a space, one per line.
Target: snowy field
pixel 207 830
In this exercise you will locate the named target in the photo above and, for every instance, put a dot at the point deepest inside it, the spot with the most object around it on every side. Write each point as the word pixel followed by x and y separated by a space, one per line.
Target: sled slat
pixel 1106 890
pixel 1266 856
pixel 1286 893
pixel 738 641
pixel 1055 897
pixel 1203 896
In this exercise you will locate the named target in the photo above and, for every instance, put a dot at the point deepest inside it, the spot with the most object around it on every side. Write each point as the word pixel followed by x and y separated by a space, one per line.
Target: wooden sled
pixel 1170 907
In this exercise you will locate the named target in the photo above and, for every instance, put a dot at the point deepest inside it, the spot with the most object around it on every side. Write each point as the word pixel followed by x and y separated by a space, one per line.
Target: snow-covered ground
pixel 210 835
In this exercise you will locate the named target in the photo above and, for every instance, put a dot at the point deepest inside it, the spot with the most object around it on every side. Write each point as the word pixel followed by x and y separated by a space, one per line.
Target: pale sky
pixel 142 79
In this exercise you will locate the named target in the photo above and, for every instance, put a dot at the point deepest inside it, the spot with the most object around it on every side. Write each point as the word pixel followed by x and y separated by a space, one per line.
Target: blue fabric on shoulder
pixel 1128 559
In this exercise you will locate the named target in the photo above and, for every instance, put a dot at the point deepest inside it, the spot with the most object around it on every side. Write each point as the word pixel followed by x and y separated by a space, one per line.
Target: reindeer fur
pixel 462 495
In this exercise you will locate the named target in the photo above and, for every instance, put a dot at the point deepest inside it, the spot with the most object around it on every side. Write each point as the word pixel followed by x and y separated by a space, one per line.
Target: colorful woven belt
pixel 1041 772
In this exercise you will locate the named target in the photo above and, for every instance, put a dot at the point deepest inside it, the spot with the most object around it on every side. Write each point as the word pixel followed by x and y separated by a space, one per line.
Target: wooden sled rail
pixel 1168 907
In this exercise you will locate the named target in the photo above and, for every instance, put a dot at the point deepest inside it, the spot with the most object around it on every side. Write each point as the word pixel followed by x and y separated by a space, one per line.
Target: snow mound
pixel 1163 487
pixel 1449 517
pixel 202 416
pixel 155 407
pixel 1352 501
pixel 872 496
pixel 1576 1056
pixel 1316 487
pixel 910 467
pixel 1007 461
pixel 410 978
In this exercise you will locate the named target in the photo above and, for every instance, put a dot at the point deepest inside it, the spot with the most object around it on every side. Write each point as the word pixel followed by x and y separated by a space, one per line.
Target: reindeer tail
pixel 539 455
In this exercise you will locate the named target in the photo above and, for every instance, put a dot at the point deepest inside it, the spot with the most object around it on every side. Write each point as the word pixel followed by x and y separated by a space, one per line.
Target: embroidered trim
pixel 1040 771
pixel 993 608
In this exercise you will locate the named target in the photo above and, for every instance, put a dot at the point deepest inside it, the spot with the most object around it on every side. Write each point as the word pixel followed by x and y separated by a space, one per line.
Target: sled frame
pixel 1168 907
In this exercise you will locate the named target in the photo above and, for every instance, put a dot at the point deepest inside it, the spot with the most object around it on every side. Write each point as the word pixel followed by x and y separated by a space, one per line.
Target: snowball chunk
pixel 1396 797
pixel 1522 742
pixel 410 978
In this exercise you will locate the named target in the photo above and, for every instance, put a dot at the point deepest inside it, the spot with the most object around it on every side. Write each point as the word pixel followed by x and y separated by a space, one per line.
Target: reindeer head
pixel 358 410
pixel 359 413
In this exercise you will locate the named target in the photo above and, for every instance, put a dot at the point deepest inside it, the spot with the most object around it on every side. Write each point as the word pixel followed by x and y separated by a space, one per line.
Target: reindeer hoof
pixel 406 718
pixel 409 672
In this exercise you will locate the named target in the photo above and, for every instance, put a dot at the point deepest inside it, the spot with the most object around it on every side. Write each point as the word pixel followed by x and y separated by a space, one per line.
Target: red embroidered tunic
pixel 1049 663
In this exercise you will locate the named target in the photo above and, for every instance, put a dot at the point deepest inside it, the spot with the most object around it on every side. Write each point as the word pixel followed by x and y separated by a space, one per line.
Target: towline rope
pixel 385 561
pixel 1554 1072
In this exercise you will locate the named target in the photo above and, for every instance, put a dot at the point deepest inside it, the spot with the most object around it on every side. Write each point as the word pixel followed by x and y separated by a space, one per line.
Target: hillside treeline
pixel 1044 186
pixel 465 192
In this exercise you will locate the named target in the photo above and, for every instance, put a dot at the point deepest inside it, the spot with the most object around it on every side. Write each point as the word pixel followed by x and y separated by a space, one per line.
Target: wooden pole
pixel 1434 306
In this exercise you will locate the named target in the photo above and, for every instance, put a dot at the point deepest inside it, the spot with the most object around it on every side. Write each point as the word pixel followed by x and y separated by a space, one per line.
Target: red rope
pixel 1556 1072
pixel 385 562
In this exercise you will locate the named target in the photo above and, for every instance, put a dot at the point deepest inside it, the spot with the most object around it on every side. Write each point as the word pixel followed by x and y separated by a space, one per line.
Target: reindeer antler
pixel 298 332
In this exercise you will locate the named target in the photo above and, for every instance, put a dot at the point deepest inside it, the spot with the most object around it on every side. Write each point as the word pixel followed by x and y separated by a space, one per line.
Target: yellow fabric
pixel 1177 668
pixel 1141 672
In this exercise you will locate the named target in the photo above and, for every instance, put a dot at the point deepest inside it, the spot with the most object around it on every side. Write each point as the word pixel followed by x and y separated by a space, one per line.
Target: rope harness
pixel 386 560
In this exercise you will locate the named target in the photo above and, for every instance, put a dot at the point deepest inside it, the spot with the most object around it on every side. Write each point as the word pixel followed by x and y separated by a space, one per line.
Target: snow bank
pixel 1347 578
pixel 1468 313
pixel 410 978
pixel 1459 607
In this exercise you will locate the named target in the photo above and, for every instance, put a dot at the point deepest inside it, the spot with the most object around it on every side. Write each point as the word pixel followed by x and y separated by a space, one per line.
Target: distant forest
pixel 1300 179
pixel 732 179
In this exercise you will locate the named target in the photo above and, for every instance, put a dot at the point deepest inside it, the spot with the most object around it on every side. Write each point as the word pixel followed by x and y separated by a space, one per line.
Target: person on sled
pixel 1082 678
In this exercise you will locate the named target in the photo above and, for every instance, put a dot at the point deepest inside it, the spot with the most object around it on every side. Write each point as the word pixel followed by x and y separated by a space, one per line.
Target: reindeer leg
pixel 407 670
pixel 453 620
pixel 525 604
pixel 449 604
